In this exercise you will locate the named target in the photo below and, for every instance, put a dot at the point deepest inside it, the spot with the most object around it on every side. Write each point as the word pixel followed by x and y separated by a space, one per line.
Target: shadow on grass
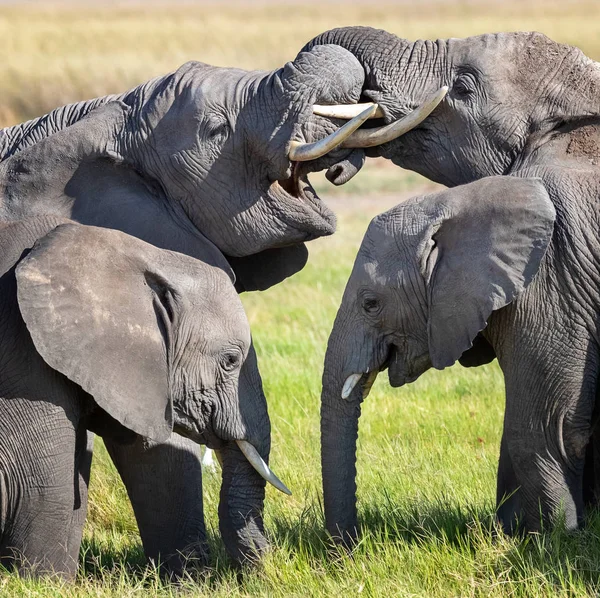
pixel 110 558
pixel 419 523
pixel 561 559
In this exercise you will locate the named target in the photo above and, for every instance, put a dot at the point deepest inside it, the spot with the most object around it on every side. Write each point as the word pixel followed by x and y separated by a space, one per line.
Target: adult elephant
pixel 518 104
pixel 509 94
pixel 203 157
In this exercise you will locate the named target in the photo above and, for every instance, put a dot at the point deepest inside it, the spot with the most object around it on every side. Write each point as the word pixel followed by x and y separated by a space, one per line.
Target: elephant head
pixel 225 149
pixel 428 276
pixel 509 93
pixel 161 342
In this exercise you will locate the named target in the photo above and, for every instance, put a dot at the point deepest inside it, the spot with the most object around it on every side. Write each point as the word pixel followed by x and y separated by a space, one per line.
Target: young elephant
pixel 104 332
pixel 468 274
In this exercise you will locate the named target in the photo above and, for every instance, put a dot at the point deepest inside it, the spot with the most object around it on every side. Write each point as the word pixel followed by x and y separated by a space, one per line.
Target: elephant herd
pixel 130 223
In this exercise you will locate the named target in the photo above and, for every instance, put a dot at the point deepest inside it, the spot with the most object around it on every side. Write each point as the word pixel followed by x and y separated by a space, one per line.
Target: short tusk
pixel 346 111
pixel 351 382
pixel 380 135
pixel 303 152
pixel 261 467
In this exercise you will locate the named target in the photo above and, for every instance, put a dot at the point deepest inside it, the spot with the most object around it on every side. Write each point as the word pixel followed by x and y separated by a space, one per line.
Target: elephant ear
pixel 263 270
pixel 489 241
pixel 92 304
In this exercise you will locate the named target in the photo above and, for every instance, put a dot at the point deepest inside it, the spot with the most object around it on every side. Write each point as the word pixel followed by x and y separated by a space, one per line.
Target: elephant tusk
pixel 346 111
pixel 303 152
pixel 351 382
pixel 261 467
pixel 380 135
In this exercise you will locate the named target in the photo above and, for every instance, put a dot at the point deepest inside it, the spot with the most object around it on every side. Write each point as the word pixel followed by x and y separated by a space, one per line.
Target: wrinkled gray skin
pixel 519 104
pixel 104 332
pixel 214 142
pixel 434 272
pixel 187 162
pixel 509 94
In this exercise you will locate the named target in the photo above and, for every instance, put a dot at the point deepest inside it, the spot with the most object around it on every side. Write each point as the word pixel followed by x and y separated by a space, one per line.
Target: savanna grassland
pixel 427 452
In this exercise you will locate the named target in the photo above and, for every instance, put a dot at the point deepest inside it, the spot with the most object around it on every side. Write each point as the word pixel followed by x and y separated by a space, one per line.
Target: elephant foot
pixel 186 562
pixel 509 515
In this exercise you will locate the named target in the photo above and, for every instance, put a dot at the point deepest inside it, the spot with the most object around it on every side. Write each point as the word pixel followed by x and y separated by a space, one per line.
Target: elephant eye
pixel 230 360
pixel 371 305
pixel 217 128
pixel 464 86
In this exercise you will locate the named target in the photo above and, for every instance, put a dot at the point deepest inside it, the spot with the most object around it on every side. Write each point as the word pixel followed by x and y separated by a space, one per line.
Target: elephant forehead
pixel 226 87
pixel 509 57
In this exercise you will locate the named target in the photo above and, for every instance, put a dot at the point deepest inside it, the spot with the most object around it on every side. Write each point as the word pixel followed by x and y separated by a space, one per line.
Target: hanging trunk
pixel 339 433
pixel 339 426
pixel 241 507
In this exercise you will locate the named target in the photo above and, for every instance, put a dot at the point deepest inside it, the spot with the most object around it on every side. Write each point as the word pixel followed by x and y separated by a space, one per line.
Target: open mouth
pixel 296 189
pixel 291 185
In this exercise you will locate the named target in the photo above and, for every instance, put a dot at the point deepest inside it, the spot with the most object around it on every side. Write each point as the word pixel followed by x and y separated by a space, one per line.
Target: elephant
pixel 518 105
pixel 508 96
pixel 104 332
pixel 210 162
pixel 505 267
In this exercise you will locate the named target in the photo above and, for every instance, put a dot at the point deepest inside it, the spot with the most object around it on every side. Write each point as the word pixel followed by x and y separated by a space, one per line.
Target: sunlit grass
pixel 427 452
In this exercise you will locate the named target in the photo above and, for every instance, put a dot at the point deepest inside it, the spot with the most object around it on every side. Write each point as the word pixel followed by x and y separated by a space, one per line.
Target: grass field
pixel 428 451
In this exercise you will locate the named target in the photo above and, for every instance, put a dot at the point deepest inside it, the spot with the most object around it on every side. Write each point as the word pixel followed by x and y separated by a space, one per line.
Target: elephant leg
pixel 549 405
pixel 591 475
pixel 507 496
pixel 164 484
pixel 37 471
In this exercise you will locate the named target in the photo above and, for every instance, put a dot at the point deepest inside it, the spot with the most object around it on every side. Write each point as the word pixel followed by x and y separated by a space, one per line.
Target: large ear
pixel 490 239
pixel 262 270
pixel 92 301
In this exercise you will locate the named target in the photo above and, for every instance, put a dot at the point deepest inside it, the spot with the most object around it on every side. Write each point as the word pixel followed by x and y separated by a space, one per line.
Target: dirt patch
pixel 583 144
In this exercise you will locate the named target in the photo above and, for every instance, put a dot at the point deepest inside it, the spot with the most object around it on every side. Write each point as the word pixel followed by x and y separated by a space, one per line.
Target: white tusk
pixel 351 382
pixel 379 135
pixel 303 152
pixel 261 467
pixel 345 111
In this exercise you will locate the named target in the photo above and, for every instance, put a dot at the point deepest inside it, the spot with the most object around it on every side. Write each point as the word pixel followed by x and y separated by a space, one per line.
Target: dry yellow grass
pixel 54 54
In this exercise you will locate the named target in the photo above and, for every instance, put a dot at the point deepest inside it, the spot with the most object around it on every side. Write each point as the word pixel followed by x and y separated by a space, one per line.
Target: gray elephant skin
pixel 107 333
pixel 195 162
pixel 522 106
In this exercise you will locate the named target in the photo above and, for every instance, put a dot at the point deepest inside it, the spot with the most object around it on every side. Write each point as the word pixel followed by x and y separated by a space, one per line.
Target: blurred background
pixel 52 54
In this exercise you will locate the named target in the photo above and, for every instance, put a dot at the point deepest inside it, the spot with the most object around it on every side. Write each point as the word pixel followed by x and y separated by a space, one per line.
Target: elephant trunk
pixel 385 58
pixel 339 433
pixel 243 488
pixel 241 507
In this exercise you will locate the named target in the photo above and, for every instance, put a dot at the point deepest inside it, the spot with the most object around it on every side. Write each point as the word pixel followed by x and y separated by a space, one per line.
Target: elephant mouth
pixel 300 200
